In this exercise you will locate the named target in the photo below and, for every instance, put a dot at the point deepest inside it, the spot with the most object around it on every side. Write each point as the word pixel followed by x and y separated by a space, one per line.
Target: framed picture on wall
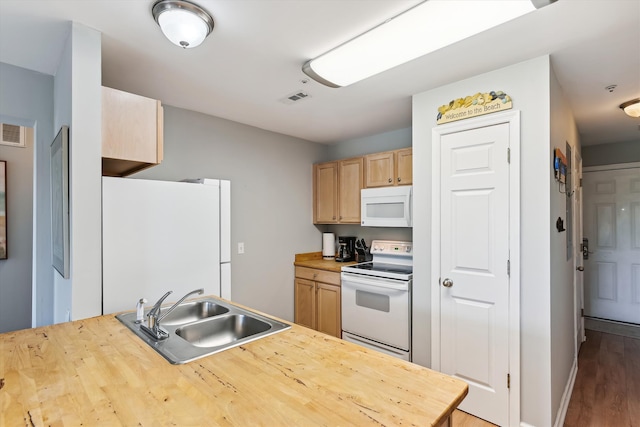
pixel 60 202
pixel 3 209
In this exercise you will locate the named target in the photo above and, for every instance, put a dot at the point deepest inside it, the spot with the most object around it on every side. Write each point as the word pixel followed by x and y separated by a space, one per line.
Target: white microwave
pixel 386 206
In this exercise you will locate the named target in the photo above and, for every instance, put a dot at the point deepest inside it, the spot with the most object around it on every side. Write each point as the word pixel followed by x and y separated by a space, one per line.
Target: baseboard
pixel 612 327
pixel 566 396
pixel 523 424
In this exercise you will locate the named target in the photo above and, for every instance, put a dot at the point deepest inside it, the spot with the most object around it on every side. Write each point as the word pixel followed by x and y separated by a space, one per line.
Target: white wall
pixel 563 132
pixel 77 103
pixel 271 191
pixel 528 83
pixel 27 100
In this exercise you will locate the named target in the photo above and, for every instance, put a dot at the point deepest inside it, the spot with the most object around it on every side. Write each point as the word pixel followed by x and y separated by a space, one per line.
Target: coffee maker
pixel 346 248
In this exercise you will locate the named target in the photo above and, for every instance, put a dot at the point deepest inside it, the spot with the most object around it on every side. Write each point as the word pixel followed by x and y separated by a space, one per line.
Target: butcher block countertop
pixel 97 372
pixel 314 260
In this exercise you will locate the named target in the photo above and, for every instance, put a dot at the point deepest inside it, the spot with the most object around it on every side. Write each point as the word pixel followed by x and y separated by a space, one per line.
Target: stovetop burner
pixel 391 259
pixel 384 267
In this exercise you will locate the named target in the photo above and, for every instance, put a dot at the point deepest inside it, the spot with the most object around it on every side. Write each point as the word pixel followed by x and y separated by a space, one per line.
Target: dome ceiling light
pixel 185 24
pixel 631 108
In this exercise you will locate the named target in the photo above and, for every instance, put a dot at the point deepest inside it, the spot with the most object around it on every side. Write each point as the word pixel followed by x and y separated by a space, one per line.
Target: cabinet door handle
pixel 315 275
pixel 390 180
pixel 334 217
pixel 399 179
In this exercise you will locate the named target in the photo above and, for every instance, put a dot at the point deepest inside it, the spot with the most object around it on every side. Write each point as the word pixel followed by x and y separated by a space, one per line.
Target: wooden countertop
pixel 314 260
pixel 97 372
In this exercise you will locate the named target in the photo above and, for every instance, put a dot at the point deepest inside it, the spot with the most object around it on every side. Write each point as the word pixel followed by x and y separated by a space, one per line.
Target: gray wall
pixel 610 154
pixel 385 141
pixel 271 190
pixel 26 98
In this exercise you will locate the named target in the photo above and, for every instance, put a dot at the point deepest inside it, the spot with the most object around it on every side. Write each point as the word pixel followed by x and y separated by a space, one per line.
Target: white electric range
pixel 376 299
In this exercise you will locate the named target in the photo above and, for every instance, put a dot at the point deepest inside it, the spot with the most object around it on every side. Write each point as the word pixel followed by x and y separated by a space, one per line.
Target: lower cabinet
pixel 317 300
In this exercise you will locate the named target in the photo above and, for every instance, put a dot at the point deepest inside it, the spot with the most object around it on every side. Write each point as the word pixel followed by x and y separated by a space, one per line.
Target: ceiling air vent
pixel 295 97
pixel 12 135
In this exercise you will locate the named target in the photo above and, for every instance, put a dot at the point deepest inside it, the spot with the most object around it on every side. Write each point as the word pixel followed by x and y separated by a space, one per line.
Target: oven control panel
pixel 391 247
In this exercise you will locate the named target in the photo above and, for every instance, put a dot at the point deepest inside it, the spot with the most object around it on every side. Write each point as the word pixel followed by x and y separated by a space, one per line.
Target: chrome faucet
pixel 155 315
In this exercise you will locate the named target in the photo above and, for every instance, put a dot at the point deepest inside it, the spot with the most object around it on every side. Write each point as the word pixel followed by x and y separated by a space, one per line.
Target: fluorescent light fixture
pixel 184 24
pixel 427 27
pixel 631 108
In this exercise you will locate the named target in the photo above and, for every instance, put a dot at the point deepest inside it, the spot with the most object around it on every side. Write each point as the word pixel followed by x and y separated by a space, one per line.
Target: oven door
pixel 377 308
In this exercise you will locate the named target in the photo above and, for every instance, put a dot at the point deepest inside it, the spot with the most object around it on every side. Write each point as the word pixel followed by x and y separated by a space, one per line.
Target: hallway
pixel 607 388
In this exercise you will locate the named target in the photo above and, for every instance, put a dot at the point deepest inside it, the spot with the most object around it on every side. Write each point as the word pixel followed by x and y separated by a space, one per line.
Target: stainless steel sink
pixel 200 328
pixel 222 330
pixel 192 311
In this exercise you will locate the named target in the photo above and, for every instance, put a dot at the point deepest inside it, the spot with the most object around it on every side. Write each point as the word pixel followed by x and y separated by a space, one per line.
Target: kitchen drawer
pixel 318 275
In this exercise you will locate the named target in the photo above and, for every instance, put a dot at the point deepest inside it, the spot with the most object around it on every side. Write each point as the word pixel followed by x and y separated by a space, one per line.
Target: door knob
pixel 580 268
pixel 447 283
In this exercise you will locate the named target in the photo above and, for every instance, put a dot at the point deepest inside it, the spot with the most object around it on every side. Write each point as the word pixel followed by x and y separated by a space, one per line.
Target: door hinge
pixel 508 380
pixel 508 155
pixel 582 312
pixel 580 185
pixel 509 268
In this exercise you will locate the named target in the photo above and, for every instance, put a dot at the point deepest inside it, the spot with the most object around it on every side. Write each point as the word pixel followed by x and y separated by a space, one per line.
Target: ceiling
pixel 253 58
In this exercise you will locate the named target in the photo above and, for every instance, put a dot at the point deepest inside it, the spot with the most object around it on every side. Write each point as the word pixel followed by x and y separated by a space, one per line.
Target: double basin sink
pixel 203 327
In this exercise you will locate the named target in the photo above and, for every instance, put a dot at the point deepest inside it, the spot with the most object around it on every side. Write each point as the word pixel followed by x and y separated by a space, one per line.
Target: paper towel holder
pixel 328 246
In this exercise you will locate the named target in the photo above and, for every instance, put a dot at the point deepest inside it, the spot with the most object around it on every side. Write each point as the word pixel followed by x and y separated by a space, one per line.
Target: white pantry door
pixel 612 225
pixel 474 291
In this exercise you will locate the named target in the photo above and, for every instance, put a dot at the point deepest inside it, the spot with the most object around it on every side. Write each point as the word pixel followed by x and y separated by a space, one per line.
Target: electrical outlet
pixel 241 247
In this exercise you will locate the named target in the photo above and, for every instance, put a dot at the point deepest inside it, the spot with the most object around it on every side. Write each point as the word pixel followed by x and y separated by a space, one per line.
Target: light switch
pixel 240 247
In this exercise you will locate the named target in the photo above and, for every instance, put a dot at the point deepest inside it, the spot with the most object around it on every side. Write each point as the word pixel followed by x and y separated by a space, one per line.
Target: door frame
pixel 511 117
pixel 578 259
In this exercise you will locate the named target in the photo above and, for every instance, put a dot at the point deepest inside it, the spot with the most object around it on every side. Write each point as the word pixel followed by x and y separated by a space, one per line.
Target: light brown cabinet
pixel 132 132
pixel 317 300
pixel 389 168
pixel 336 187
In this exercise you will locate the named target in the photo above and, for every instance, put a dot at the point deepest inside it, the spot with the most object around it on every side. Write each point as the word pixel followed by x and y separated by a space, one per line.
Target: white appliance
pixel 376 299
pixel 160 236
pixel 386 206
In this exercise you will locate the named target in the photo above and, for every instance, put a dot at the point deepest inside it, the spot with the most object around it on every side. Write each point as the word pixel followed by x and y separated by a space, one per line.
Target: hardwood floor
pixel 607 388
pixel 462 419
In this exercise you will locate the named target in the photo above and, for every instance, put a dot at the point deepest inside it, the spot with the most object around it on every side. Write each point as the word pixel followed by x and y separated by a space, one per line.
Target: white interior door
pixel 474 256
pixel 612 225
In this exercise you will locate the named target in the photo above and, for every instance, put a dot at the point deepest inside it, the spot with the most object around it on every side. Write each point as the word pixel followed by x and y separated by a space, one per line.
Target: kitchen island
pixel 97 372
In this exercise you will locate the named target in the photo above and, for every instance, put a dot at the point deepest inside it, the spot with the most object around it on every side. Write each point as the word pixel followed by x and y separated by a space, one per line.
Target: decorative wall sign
pixel 472 106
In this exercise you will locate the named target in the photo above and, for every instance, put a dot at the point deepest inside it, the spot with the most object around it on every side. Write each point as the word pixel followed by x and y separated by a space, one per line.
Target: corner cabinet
pixel 317 300
pixel 389 168
pixel 132 132
pixel 336 191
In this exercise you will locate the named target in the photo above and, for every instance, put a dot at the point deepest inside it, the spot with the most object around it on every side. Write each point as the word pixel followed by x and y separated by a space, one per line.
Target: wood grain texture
pixel 322 264
pixel 96 372
pixel 607 387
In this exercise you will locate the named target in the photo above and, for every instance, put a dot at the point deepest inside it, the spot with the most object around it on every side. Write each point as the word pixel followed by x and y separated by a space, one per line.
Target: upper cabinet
pixel 325 193
pixel 389 168
pixel 336 187
pixel 132 137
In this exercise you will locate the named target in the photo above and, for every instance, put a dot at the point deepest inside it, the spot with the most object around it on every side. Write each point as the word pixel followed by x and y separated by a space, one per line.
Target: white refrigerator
pixel 160 236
